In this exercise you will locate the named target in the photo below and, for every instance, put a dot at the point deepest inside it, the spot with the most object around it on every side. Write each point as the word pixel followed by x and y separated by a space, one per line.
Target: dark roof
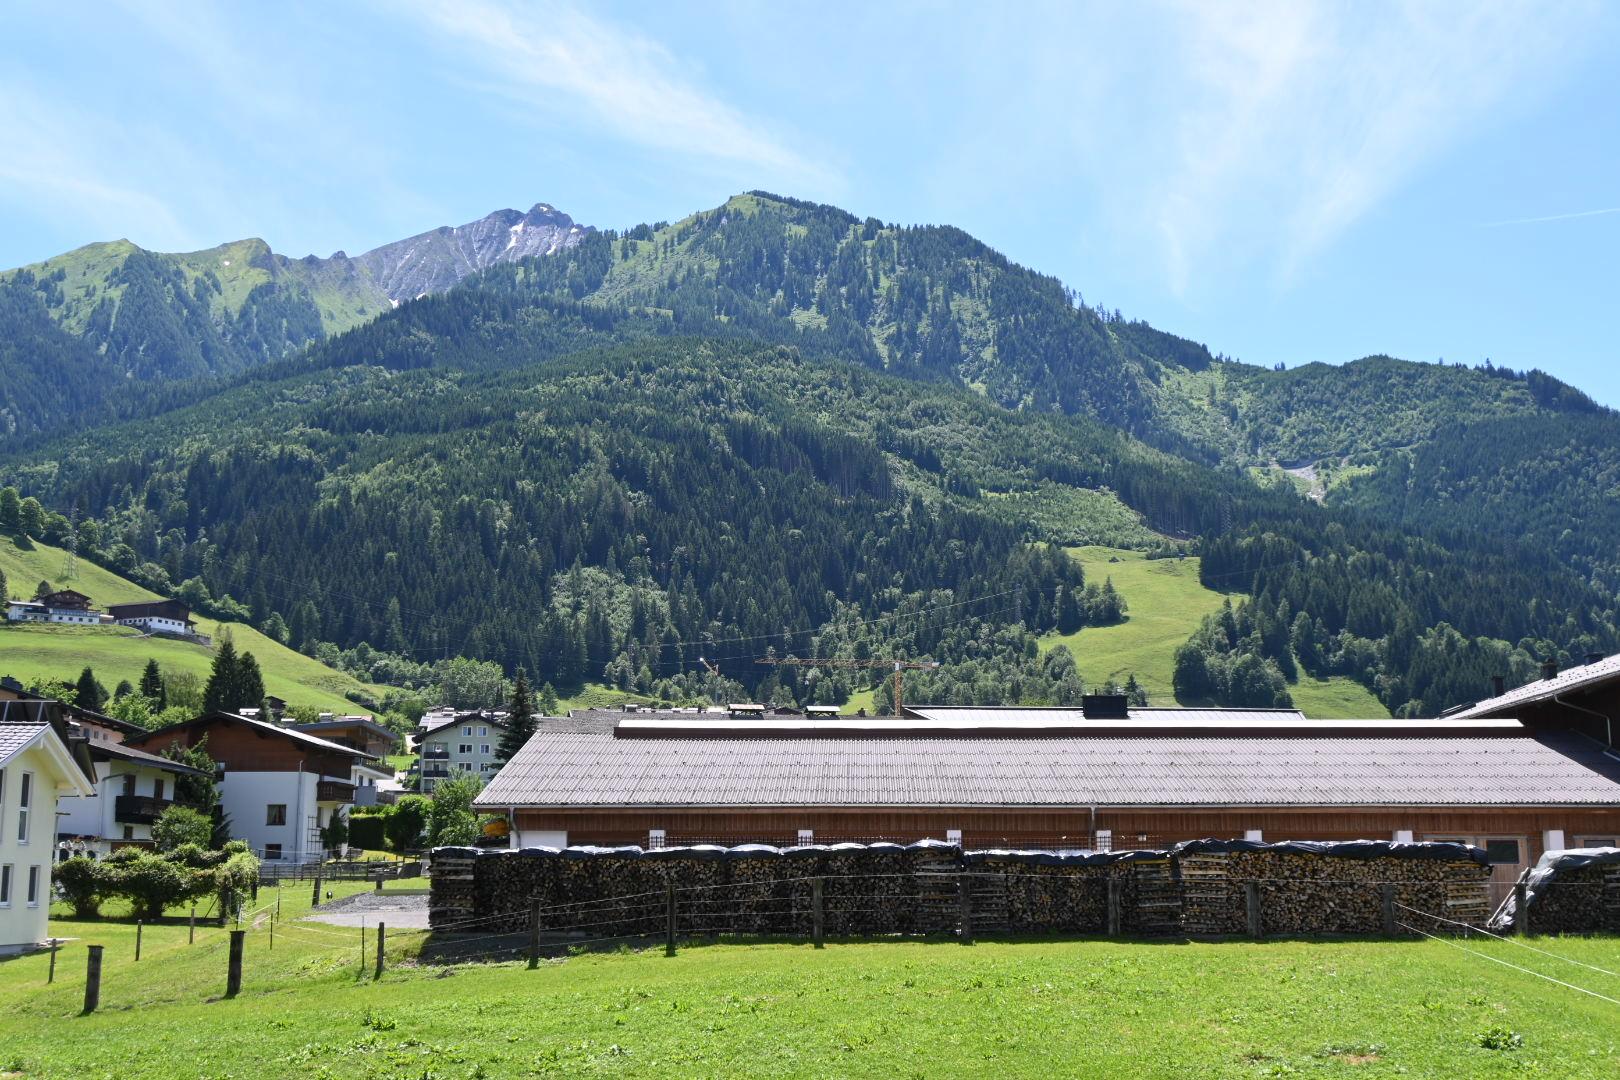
pixel 167 609
pixel 103 750
pixel 105 721
pixel 268 729
pixel 1577 678
pixel 1496 765
pixel 340 722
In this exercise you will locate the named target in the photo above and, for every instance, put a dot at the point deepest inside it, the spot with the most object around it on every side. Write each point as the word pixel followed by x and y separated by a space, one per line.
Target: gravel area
pixel 405 910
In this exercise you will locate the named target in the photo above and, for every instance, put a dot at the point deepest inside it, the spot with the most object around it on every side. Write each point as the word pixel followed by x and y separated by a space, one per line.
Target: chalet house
pixel 132 788
pixel 279 787
pixel 64 606
pixel 1584 699
pixel 40 761
pixel 370 738
pixel 155 617
pixel 461 744
pixel 1058 778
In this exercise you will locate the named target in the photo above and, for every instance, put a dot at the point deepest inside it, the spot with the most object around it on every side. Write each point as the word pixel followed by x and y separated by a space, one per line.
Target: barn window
pixel 655 838
pixel 1502 851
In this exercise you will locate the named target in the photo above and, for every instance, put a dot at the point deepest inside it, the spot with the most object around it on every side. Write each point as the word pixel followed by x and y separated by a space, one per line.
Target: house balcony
pixel 435 772
pixel 436 753
pixel 138 809
pixel 334 791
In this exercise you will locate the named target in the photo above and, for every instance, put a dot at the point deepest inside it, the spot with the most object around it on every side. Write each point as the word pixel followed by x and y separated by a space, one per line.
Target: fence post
pixel 55 944
pixel 1386 893
pixel 255 893
pixel 272 933
pixel 534 934
pixel 92 980
pixel 138 927
pixel 362 946
pixel 1251 892
pixel 278 898
pixel 315 897
pixel 191 926
pixel 964 904
pixel 1521 909
pixel 818 910
pixel 382 934
pixel 233 973
pixel 669 919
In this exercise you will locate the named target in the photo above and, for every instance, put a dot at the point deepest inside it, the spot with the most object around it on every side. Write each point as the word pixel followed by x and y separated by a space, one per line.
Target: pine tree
pixel 5 592
pixel 91 695
pixel 152 685
pixel 547 702
pixel 249 690
pixel 519 720
pixel 219 694
pixel 42 590
pixel 10 510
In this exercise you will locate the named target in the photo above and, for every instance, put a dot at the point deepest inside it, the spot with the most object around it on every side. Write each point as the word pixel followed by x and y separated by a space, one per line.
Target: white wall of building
pixel 155 625
pixel 469 751
pixel 95 816
pixel 27 845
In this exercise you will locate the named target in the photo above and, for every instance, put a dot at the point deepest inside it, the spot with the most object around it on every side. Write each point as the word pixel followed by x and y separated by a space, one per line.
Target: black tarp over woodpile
pixel 1200 887
pixel 1570 892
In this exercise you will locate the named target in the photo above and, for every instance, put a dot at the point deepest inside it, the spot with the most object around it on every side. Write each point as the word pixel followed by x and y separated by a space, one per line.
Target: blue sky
pixel 1285 182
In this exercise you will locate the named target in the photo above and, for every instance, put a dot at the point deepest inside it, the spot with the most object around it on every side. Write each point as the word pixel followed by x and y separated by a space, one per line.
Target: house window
pixel 464 748
pixel 467 731
pixel 129 783
pixel 275 814
pixel 5 885
pixel 25 800
pixel 33 886
pixel 483 733
pixel 157 789
pixel 483 748
pixel 129 832
pixel 272 851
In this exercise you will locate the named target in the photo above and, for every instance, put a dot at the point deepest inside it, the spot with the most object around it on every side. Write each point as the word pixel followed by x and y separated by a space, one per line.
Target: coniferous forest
pixel 776 429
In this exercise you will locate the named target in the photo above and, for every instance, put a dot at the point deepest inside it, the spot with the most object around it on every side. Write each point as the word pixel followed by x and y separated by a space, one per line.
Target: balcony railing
pixel 139 809
pixel 334 791
pixel 433 753
pixel 439 772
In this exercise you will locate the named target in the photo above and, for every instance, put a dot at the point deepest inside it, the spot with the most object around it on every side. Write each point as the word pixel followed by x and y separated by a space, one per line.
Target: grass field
pixel 55 650
pixel 1166 602
pixel 893 1009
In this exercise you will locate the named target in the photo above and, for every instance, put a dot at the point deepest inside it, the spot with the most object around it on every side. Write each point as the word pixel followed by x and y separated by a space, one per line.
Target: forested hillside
pixel 775 426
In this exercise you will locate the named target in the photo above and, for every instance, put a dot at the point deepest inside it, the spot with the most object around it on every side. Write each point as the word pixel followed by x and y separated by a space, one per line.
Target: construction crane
pixel 897 665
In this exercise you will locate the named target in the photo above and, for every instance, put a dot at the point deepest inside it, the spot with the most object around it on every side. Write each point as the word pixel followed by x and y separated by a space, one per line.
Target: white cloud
pixel 1297 119
pixel 561 61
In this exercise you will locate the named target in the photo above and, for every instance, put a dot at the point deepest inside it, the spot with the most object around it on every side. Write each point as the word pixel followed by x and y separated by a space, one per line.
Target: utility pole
pixel 897 665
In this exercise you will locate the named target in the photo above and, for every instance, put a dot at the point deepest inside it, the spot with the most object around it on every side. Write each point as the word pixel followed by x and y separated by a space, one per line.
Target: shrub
pixel 235 877
pixel 406 820
pixel 181 825
pixel 366 831
pixel 151 882
pixel 83 884
pixel 456 829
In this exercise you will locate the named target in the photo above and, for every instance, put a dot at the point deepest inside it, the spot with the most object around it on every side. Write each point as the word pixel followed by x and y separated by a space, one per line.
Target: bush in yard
pixel 451 820
pixel 181 825
pixel 456 829
pixel 83 883
pixel 234 877
pixel 366 831
pixel 406 821
pixel 151 882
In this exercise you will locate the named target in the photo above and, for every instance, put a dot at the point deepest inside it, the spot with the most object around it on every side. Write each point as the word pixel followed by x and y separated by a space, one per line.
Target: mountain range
pixel 599 453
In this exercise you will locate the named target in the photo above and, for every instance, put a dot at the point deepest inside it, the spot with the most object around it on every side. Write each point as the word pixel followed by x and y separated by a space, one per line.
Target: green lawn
pixel 1166 602
pixel 116 653
pixel 892 1009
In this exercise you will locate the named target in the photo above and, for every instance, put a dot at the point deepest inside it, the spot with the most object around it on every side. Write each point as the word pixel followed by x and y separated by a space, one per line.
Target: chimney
pixel 1105 707
pixel 1549 669
pixel 1498 685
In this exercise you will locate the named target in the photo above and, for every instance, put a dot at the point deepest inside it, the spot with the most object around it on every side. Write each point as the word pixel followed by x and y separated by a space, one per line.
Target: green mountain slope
pixel 116 652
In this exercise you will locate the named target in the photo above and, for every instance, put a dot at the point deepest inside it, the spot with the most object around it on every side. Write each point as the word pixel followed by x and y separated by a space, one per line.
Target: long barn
pixel 1057 778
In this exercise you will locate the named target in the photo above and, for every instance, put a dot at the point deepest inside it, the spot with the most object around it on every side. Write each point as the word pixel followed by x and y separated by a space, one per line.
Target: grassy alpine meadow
pixel 1165 602
pixel 309 1008
pixel 56 650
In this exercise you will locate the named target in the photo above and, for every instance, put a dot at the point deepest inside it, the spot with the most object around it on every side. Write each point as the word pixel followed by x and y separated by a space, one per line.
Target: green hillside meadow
pixel 310 1007
pixel 1166 602
pixel 119 652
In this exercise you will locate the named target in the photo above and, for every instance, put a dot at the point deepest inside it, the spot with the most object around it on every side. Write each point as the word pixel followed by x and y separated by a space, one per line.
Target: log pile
pixel 1198 888
pixel 1574 892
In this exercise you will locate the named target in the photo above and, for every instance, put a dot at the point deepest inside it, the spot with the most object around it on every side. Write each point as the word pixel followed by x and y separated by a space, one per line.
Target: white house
pixel 132 788
pixel 64 606
pixel 155 617
pixel 279 787
pixel 459 745
pixel 39 762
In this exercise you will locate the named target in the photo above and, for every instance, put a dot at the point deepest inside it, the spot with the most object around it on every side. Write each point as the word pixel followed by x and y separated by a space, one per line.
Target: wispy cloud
pixel 1551 217
pixel 1298 119
pixel 558 60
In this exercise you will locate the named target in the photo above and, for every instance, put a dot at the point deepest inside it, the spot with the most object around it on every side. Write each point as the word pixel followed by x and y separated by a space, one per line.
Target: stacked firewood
pixel 1575 899
pixel 1047 892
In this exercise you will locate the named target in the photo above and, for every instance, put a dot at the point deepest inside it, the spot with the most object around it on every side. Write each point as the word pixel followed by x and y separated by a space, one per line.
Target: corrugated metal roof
pixel 1064 716
pixel 1575 678
pixel 1072 724
pixel 570 770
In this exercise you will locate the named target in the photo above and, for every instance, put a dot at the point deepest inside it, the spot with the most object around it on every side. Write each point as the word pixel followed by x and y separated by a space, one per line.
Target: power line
pixel 1515 967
